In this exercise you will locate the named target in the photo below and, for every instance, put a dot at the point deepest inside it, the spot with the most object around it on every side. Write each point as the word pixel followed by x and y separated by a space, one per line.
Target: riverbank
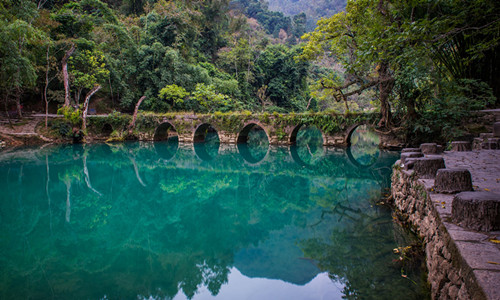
pixel 462 263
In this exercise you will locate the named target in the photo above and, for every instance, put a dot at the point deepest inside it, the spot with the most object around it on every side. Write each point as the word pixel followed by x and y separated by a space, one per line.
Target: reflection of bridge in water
pixel 329 161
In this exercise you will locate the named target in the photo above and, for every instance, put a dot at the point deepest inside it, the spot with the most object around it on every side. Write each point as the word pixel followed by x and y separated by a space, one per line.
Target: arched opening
pixel 107 129
pixel 253 143
pixel 164 132
pixel 205 133
pixel 166 141
pixel 253 134
pixel 363 150
pixel 206 142
pixel 307 144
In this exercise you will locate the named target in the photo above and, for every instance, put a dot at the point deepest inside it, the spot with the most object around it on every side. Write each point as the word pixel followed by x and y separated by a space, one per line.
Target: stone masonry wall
pixel 448 275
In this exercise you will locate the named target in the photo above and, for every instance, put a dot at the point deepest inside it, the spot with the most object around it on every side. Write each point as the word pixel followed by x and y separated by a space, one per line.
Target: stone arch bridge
pixel 234 128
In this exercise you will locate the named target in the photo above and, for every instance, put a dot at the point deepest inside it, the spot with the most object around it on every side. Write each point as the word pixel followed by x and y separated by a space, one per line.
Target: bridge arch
pixel 247 128
pixel 206 142
pixel 351 129
pixel 201 131
pixel 292 140
pixel 164 131
pixel 106 129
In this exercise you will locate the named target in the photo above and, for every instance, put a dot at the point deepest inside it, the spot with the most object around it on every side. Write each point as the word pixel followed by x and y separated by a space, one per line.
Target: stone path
pixel 478 249
pixel 23 130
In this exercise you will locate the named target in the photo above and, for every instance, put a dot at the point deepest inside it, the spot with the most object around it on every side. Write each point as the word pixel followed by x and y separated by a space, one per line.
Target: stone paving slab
pixel 476 248
pixel 492 279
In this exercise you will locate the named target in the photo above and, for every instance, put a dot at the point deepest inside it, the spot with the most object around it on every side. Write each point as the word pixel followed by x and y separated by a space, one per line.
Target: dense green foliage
pixel 427 64
pixel 426 60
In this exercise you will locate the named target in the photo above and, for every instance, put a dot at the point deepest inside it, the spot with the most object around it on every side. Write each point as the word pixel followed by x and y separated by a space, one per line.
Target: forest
pixel 424 65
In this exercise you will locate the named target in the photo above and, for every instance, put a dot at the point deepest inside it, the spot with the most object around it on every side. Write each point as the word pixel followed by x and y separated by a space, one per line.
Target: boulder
pixel 476 210
pixel 453 180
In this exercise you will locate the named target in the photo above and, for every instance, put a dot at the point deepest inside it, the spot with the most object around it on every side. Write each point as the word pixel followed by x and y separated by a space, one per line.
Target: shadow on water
pixel 110 221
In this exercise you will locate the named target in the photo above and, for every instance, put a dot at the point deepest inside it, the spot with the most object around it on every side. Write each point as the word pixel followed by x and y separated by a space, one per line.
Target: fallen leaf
pixel 403 275
pixel 487 190
pixel 443 202
pixel 493 263
pixel 494 241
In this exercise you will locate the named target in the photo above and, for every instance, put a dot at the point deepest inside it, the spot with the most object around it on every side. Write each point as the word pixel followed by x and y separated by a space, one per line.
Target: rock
pixel 486 135
pixel 440 149
pixel 429 148
pixel 496 129
pixel 460 146
pixel 476 210
pixel 453 180
pixel 405 150
pixel 407 155
pixel 426 167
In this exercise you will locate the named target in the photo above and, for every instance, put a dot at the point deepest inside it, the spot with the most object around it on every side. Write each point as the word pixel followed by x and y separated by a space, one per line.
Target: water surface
pixel 172 221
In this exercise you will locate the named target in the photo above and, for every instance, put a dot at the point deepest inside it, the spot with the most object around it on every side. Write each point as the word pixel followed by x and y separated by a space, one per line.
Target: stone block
pixel 428 148
pixel 461 146
pixel 477 210
pixel 491 144
pixel 496 129
pixel 405 150
pixel 477 144
pixel 453 180
pixel 405 156
pixel 426 167
pixel 486 135
pixel 439 149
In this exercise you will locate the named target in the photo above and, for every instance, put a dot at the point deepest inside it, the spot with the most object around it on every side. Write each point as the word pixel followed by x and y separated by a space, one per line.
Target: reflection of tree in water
pixel 183 235
pixel 309 144
pixel 364 145
pixel 358 255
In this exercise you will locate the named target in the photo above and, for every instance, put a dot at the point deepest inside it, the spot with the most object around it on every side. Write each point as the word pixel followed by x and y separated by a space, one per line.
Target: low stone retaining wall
pixel 450 277
pixel 463 261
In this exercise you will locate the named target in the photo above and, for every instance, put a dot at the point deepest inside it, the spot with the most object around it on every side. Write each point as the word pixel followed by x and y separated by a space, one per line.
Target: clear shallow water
pixel 163 220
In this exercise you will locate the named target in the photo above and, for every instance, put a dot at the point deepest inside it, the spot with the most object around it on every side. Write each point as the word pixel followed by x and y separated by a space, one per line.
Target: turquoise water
pixel 175 221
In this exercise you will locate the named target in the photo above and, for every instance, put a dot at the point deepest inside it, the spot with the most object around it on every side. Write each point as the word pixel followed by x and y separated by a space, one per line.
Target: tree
pixel 88 68
pixel 18 39
pixel 360 40
pixel 173 94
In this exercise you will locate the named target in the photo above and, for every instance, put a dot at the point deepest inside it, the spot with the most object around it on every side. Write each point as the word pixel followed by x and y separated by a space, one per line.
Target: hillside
pixel 314 9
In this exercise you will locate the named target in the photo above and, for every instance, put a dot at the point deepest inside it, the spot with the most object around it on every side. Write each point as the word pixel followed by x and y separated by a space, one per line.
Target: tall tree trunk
pixel 68 200
pixel 66 75
pixel 6 104
pixel 46 87
pixel 134 117
pixel 386 83
pixel 86 105
pixel 19 109
pixel 87 176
